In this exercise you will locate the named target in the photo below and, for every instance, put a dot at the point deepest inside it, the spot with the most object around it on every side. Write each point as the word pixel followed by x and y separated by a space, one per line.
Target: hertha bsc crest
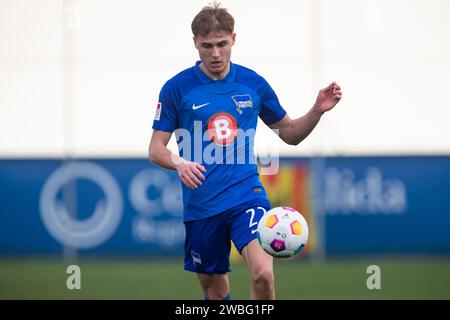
pixel 242 101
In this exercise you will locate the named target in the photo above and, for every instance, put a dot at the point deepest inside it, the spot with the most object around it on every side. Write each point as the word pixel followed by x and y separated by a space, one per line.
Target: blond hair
pixel 212 18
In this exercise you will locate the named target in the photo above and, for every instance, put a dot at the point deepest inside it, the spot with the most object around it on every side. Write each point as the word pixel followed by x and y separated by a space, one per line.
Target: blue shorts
pixel 207 245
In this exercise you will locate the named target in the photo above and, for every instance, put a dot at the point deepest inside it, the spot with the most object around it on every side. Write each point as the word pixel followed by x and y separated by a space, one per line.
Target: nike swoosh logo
pixel 253 231
pixel 194 107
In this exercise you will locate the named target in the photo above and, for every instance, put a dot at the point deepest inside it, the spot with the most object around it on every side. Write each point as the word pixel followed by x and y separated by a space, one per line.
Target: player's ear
pixel 233 38
pixel 195 41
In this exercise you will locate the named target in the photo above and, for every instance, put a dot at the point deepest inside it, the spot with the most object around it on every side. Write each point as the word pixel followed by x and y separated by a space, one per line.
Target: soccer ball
pixel 282 232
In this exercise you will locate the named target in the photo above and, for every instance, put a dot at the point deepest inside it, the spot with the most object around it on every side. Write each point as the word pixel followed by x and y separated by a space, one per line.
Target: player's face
pixel 215 53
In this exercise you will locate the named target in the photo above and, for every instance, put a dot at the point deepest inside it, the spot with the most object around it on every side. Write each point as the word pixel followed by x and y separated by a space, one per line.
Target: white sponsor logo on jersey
pixel 194 107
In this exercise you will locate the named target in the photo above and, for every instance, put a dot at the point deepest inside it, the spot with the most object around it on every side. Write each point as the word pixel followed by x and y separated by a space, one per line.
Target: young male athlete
pixel 213 108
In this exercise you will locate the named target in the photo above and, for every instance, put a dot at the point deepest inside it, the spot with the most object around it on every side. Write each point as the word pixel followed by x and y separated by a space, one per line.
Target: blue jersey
pixel 214 122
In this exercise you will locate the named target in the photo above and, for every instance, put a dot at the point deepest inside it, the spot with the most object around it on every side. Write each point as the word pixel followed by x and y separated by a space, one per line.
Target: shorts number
pixel 252 211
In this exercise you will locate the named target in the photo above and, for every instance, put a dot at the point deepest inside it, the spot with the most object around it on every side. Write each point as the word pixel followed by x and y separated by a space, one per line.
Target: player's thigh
pixel 259 262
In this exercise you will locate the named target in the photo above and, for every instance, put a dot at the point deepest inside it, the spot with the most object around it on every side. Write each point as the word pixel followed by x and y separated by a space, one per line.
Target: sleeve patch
pixel 158 111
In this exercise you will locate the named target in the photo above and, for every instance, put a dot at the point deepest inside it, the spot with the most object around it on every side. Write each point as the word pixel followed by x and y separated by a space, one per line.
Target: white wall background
pixel 82 77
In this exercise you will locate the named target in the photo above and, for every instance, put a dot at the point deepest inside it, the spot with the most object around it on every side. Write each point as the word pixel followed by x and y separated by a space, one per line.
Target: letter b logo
pixel 222 128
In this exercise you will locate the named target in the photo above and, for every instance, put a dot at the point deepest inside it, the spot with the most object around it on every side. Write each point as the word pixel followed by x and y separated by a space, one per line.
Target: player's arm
pixel 294 131
pixel 158 153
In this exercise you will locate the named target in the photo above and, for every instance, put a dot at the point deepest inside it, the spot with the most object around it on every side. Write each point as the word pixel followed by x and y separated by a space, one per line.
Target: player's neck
pixel 216 76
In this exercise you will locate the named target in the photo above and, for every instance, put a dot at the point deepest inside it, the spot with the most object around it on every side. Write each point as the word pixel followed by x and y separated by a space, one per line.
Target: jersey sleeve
pixel 166 112
pixel 271 110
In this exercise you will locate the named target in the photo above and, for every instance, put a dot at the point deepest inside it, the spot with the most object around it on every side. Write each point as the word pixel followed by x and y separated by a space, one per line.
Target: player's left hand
pixel 328 97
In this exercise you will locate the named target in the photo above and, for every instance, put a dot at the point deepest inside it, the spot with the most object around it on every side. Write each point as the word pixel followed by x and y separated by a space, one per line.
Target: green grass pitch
pixel 298 279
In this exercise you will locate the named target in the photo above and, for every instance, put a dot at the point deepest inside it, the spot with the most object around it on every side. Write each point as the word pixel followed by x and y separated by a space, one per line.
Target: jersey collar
pixel 206 79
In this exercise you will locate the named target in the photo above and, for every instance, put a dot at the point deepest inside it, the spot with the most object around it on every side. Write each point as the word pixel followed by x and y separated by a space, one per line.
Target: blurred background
pixel 79 84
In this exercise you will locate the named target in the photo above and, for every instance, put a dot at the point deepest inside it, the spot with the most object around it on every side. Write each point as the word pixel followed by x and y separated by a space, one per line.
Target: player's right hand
pixel 190 174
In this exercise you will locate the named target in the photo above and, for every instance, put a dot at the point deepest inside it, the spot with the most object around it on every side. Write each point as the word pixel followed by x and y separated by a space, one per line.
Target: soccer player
pixel 210 107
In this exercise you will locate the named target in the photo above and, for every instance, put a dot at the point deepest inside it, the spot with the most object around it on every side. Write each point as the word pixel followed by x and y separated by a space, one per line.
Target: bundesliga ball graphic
pixel 282 232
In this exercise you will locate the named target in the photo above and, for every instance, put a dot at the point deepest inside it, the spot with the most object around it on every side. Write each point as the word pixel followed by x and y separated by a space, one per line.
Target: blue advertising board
pixel 387 205
pixel 105 207
pixel 131 207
